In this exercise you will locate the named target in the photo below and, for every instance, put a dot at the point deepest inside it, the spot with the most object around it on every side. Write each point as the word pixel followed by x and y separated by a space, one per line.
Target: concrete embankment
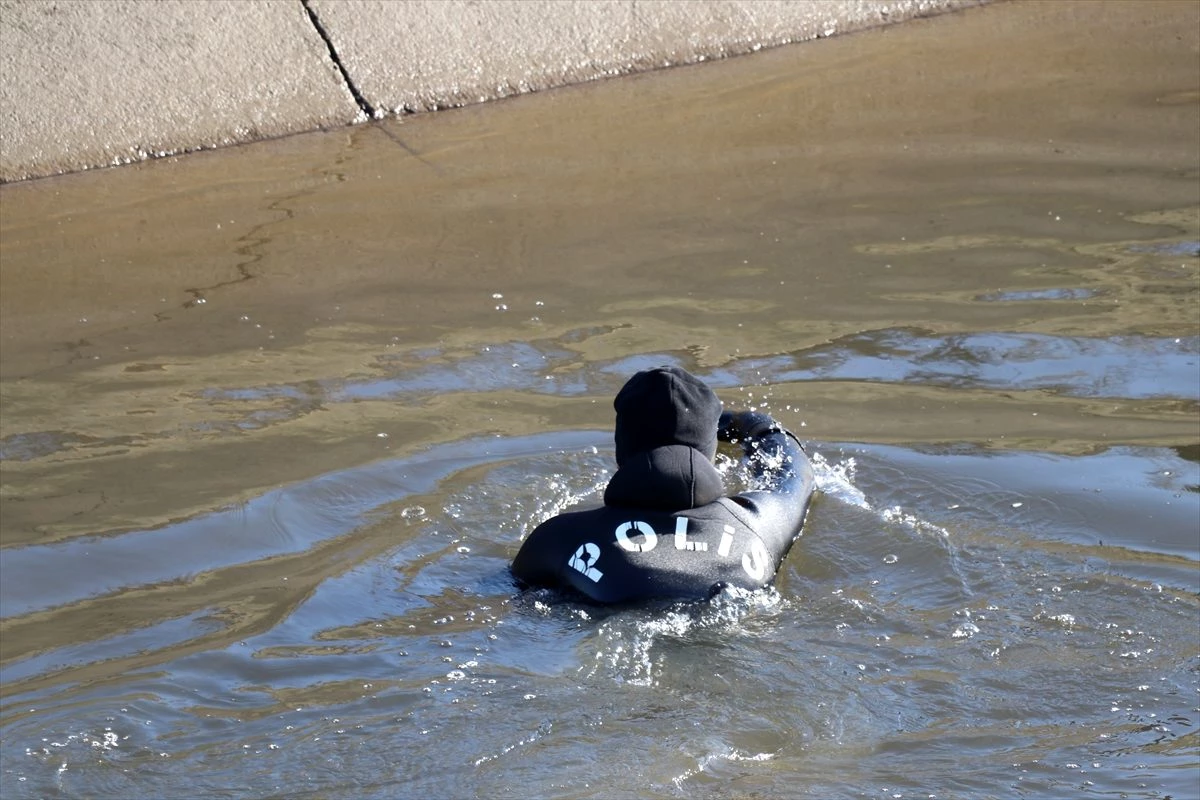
pixel 95 83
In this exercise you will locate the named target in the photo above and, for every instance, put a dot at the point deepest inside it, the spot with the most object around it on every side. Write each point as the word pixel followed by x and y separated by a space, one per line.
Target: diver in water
pixel 666 529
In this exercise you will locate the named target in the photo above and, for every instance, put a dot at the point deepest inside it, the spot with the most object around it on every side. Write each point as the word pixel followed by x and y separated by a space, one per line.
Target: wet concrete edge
pixel 109 82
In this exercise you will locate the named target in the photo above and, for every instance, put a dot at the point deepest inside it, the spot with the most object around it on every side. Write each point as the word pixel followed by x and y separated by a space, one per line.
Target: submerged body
pixel 636 548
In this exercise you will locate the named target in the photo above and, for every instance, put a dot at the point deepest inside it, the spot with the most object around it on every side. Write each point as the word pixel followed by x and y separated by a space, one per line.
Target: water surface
pixel 276 418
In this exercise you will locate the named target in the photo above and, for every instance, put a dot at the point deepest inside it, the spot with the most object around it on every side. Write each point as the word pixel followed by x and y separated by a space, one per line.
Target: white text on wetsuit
pixel 754 561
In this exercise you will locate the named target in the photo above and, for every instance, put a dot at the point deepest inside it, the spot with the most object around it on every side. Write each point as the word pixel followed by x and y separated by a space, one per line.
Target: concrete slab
pixel 88 84
pixel 104 82
pixel 427 54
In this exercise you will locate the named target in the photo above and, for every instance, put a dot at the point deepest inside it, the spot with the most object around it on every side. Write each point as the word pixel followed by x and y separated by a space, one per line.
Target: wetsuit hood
pixel 672 478
pixel 665 406
pixel 666 438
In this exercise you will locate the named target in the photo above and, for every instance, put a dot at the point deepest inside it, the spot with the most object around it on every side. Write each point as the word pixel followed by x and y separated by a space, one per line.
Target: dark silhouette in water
pixel 666 529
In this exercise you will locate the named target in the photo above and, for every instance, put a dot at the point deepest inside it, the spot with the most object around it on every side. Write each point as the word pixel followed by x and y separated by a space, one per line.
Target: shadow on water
pixel 275 420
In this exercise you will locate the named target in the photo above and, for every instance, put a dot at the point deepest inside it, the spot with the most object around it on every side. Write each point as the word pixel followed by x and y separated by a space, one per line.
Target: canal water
pixel 276 418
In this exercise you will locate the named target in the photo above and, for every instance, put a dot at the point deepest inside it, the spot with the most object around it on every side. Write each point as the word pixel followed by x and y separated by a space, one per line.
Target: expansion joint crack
pixel 366 107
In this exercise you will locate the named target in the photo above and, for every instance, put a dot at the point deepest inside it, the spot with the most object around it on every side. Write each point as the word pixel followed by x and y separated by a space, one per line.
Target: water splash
pixel 837 480
pixel 630 642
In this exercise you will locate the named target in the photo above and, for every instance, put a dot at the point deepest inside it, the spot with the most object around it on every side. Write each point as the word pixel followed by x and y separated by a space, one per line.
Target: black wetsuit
pixel 633 549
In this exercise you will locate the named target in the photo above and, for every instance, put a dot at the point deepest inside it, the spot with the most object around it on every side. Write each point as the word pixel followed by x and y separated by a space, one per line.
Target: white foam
pixel 837 480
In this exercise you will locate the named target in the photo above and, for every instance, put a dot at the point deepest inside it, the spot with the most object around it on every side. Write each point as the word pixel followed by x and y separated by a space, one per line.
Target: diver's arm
pixel 770 448
pixel 782 473
pixel 745 425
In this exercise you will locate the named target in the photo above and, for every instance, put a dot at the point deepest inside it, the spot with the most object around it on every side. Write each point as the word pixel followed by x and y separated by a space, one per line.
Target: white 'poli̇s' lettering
pixel 755 561
pixel 648 543
pixel 585 559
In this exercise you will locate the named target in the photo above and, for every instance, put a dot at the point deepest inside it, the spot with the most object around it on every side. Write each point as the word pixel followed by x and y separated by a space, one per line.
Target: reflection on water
pixel 258 544
pixel 1119 366
pixel 289 520
pixel 1040 294
pixel 932 592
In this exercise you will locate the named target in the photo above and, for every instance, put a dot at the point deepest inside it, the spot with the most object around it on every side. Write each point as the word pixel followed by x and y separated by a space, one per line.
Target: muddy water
pixel 275 419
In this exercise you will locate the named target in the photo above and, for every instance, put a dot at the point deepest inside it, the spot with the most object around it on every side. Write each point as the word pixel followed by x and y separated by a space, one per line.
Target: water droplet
pixel 965 631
